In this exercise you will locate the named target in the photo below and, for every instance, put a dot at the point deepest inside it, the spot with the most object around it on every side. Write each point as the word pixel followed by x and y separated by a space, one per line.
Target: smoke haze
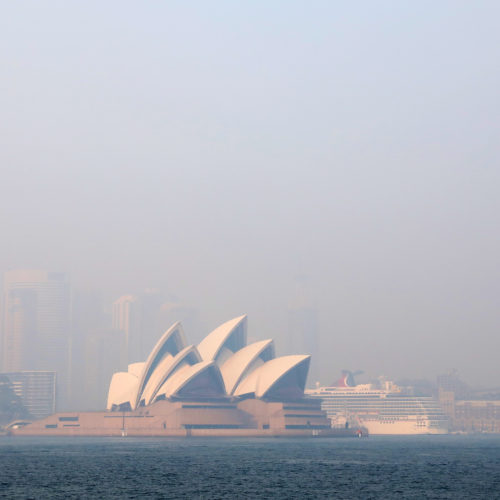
pixel 225 153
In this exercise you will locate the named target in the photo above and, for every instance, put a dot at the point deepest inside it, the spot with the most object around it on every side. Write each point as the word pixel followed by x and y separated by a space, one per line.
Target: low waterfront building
pixel 37 391
pixel 471 415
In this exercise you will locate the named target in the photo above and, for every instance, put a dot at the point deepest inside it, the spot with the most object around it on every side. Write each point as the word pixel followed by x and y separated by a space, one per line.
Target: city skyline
pixel 105 342
pixel 96 343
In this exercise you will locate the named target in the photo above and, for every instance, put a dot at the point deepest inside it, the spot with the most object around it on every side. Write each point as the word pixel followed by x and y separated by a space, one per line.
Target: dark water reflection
pixel 406 467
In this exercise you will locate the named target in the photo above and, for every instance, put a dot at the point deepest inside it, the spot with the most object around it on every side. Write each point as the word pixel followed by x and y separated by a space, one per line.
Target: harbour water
pixel 377 467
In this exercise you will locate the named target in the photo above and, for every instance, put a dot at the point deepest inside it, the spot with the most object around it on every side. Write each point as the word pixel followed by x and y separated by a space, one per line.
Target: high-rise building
pixel 104 354
pixel 175 310
pixel 37 391
pixel 139 318
pixel 151 325
pixel 96 349
pixel 303 328
pixel 126 317
pixel 36 325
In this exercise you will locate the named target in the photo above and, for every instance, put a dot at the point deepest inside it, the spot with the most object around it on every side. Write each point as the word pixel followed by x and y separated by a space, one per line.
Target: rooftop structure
pixel 221 366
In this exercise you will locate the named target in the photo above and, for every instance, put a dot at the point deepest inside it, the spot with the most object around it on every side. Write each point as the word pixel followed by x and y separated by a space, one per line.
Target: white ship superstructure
pixel 381 411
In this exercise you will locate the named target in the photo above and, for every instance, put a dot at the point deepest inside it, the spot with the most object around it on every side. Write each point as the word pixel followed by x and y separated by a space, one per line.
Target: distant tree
pixel 11 406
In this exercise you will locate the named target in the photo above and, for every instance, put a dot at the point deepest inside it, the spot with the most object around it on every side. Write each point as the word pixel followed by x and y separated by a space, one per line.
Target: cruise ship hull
pixel 402 427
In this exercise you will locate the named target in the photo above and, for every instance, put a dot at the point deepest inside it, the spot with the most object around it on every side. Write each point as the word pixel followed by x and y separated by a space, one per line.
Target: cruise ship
pixel 383 410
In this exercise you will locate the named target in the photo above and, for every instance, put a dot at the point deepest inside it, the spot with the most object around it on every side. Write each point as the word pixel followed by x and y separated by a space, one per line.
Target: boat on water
pixel 381 410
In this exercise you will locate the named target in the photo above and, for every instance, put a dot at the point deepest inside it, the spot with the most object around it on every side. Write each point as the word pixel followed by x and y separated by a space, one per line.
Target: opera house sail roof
pixel 221 366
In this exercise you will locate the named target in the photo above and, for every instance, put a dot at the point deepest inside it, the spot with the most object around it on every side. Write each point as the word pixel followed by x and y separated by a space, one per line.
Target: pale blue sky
pixel 219 149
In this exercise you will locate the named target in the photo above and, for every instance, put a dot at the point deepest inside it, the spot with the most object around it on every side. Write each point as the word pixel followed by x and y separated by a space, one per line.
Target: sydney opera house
pixel 221 387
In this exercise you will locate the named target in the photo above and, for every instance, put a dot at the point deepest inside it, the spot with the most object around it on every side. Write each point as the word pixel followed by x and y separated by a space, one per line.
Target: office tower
pixel 151 325
pixel 36 326
pixel 126 317
pixel 37 391
pixel 104 353
pixel 91 327
pixel 303 328
pixel 174 310
pixel 139 318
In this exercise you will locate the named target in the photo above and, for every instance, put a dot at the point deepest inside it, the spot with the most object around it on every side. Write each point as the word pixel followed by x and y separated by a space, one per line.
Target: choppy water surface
pixel 378 467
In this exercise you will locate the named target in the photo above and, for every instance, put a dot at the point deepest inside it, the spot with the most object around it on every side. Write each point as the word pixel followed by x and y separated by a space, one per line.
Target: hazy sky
pixel 218 150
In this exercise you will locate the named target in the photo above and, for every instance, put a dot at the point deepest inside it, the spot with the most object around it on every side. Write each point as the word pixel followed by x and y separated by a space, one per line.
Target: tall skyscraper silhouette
pixel 139 318
pixel 36 325
pixel 126 318
pixel 303 328
pixel 97 350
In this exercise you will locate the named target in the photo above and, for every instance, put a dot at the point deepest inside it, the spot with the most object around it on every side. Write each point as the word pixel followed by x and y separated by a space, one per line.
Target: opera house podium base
pixel 247 418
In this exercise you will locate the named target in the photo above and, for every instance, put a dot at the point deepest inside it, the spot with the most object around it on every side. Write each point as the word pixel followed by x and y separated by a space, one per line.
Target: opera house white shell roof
pixel 221 366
